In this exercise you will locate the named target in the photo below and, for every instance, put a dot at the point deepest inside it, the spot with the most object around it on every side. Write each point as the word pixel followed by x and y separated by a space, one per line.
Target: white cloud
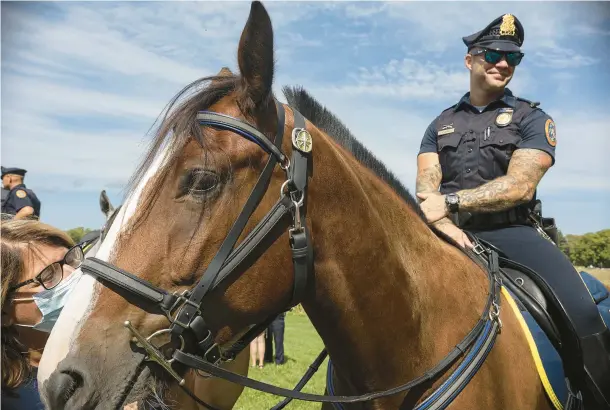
pixel 587 30
pixel 440 26
pixel 416 79
pixel 581 157
pixel 408 79
pixel 559 58
pixel 46 98
pixel 87 40
pixel 63 160
pixel 120 63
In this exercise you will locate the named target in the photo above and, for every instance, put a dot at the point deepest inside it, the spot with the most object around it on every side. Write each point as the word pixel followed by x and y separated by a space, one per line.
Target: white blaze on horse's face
pixel 84 296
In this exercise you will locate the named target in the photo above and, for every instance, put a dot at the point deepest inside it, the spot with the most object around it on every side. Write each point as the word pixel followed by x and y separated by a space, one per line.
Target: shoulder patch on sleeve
pixel 550 132
pixel 21 193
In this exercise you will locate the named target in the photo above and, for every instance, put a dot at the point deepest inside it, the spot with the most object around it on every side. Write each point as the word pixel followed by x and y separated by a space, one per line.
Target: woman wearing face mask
pixel 37 264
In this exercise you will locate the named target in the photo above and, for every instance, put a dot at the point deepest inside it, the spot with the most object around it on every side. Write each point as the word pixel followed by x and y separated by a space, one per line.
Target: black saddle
pixel 535 295
pixel 522 282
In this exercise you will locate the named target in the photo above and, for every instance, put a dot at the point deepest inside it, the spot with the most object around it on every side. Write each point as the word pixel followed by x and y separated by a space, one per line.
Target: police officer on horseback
pixel 20 201
pixel 488 153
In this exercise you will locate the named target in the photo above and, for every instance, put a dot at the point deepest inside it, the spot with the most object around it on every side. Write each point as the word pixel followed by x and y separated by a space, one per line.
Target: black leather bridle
pixel 188 329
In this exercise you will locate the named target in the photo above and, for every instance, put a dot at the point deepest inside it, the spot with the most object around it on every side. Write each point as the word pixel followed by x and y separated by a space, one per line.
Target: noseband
pixel 188 329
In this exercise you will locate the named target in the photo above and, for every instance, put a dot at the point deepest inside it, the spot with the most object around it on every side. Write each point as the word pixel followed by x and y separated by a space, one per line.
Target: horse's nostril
pixel 60 388
pixel 75 382
pixel 64 385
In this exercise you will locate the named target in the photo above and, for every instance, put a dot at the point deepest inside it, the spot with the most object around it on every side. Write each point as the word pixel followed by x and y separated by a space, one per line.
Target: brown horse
pixel 218 393
pixel 389 297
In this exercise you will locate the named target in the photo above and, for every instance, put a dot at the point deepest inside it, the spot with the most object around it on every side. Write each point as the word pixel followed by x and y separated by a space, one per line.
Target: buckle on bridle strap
pixel 153 354
pixel 182 300
pixel 213 354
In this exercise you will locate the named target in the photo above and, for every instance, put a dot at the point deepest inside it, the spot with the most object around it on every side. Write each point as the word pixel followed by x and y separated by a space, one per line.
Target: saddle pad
pixel 597 289
pixel 548 361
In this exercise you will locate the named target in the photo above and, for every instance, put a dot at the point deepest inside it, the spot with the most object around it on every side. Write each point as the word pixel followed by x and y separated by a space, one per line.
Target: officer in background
pixel 488 153
pixel 4 195
pixel 21 201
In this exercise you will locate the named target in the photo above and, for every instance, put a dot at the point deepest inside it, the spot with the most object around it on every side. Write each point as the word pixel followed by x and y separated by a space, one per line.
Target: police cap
pixel 13 171
pixel 504 33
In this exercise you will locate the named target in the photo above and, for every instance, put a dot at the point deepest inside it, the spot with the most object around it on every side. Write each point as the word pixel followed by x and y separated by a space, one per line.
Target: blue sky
pixel 82 82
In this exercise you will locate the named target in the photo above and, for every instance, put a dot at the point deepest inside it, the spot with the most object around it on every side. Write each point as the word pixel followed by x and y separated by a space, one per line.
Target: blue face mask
pixel 50 302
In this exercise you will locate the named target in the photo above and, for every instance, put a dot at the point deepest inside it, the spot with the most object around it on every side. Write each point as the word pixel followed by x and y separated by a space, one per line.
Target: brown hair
pixel 13 234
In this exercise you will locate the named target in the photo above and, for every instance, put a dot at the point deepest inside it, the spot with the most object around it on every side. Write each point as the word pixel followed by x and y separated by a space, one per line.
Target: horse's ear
pixel 105 205
pixel 224 72
pixel 222 75
pixel 255 58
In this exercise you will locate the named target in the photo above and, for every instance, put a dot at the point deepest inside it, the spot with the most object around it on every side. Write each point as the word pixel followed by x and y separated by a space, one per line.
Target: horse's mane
pixel 179 122
pixel 325 120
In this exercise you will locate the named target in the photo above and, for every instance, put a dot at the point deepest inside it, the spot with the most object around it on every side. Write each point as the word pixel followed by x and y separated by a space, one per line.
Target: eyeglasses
pixel 513 58
pixel 52 275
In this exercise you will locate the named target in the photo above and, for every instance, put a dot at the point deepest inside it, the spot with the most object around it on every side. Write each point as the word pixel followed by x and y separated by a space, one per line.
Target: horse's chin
pixel 148 392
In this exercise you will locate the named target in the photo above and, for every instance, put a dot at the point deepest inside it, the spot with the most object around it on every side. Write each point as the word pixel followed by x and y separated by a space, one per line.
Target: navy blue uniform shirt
pixel 20 197
pixel 475 144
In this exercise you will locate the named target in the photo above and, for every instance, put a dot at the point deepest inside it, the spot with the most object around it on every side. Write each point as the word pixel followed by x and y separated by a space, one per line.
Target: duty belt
pixel 515 216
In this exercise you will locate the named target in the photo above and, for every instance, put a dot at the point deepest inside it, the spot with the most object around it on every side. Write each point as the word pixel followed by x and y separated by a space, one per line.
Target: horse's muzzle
pixel 70 388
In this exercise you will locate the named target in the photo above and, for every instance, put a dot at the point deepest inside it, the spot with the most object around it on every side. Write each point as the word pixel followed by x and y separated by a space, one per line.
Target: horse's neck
pixel 391 298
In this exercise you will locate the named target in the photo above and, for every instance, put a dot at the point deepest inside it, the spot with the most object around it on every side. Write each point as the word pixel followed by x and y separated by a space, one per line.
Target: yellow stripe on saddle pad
pixel 534 350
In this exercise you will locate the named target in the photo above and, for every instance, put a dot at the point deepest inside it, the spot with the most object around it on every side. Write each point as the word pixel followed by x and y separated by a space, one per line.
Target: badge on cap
pixel 507 28
pixel 301 139
pixel 505 116
pixel 550 132
pixel 21 193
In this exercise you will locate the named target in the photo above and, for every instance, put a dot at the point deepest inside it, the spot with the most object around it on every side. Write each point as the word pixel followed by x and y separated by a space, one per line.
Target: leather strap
pixel 226 122
pixel 301 168
pixel 274 225
pixel 125 280
pixel 480 338
pixel 472 365
pixel 311 370
pixel 190 310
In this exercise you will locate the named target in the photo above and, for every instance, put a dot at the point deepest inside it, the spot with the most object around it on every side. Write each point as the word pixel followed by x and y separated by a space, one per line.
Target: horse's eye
pixel 198 183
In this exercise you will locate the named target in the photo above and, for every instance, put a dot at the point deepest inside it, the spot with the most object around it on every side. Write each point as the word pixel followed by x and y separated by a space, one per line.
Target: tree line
pixel 590 249
pixel 77 233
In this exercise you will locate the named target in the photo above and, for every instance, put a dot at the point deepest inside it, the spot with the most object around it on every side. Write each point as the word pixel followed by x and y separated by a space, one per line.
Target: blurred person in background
pixel 21 201
pixel 257 350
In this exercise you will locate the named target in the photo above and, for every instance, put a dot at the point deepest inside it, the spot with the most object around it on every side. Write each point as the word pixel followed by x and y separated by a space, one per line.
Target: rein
pixel 188 329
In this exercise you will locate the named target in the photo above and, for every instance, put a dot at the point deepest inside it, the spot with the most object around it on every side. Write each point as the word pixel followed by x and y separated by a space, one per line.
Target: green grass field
pixel 301 345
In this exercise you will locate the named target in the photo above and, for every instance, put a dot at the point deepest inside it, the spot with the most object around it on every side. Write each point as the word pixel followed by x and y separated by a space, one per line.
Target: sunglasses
pixel 52 275
pixel 513 58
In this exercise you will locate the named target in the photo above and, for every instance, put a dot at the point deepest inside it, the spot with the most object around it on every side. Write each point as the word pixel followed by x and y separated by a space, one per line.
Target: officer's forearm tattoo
pixel 429 179
pixel 526 168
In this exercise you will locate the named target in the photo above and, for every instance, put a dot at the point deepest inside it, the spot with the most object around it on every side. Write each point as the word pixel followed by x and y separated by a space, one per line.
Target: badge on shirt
pixel 446 129
pixel 21 193
pixel 550 132
pixel 505 116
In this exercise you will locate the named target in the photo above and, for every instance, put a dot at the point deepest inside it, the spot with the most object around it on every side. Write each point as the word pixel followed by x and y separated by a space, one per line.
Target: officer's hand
pixel 433 206
pixel 454 233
